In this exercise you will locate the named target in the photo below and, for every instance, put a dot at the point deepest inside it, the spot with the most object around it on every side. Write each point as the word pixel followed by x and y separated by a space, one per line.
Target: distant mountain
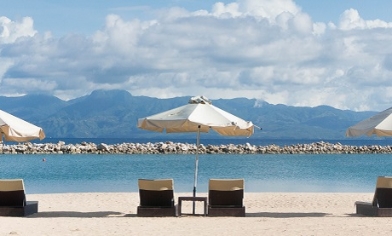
pixel 114 114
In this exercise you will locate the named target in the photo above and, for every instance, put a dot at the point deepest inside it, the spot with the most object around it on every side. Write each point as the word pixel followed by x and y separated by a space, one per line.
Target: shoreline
pixel 170 147
pixel 266 214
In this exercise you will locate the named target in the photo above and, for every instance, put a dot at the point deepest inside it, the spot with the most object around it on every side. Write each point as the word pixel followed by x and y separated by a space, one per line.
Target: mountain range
pixel 114 114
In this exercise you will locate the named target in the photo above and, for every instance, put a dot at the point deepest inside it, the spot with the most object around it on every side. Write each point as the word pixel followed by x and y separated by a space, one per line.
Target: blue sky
pixel 85 17
pixel 300 53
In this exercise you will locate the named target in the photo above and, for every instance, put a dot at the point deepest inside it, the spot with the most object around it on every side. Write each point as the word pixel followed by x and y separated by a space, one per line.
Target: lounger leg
pixel 31 208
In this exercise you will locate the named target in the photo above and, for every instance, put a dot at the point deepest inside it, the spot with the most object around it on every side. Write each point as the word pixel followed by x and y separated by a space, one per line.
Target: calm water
pixel 262 173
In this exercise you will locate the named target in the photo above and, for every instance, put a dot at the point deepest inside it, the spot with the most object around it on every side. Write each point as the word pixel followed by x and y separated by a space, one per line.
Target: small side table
pixel 193 199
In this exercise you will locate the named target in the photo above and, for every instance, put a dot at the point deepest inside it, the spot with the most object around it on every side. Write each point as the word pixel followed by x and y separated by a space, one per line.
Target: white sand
pixel 266 214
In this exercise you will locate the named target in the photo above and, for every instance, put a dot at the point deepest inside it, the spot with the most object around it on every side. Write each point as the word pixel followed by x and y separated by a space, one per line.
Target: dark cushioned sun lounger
pixel 382 200
pixel 156 197
pixel 13 199
pixel 225 197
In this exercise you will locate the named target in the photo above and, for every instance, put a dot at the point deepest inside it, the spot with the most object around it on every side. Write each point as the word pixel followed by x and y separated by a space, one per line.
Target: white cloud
pixel 268 9
pixel 230 10
pixel 5 64
pixel 351 19
pixel 10 31
pixel 262 49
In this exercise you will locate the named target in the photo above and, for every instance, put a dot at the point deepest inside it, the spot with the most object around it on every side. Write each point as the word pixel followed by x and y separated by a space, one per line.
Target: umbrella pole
pixel 196 166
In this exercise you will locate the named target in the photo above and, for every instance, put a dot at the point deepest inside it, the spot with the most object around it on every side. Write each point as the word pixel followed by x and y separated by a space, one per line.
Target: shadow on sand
pixel 76 214
pixel 101 214
pixel 286 214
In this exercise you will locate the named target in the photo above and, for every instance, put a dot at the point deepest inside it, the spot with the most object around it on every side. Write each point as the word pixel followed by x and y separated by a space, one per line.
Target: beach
pixel 267 213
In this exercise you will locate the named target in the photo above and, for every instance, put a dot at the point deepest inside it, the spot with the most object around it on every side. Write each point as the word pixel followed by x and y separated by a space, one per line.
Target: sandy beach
pixel 266 214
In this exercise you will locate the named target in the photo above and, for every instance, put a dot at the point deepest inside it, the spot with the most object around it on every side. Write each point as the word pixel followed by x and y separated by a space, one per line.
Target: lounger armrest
pixel 226 206
pixel 363 203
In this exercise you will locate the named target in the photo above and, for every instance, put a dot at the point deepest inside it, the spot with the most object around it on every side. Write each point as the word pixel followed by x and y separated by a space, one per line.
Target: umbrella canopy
pixel 18 130
pixel 379 124
pixel 199 115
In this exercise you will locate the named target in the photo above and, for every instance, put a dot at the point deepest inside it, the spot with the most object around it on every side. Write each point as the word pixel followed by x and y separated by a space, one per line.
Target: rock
pixel 103 147
pixel 185 148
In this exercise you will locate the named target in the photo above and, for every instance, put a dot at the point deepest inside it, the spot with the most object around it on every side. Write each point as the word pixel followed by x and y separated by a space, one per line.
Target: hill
pixel 114 113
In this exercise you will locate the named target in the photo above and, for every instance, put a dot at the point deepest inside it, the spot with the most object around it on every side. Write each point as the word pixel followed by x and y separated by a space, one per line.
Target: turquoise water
pixel 262 173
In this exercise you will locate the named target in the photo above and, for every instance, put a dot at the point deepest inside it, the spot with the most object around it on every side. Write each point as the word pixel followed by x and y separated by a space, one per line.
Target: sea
pixel 63 173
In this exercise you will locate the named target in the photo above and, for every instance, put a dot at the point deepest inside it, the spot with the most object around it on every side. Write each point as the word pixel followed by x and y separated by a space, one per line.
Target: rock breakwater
pixel 186 148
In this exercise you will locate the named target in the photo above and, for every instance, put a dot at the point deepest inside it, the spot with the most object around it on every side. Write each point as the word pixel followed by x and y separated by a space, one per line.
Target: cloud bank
pixel 268 50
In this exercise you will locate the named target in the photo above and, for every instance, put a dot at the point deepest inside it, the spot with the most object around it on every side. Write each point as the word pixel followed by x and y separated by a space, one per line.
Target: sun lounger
pixel 13 199
pixel 225 197
pixel 156 197
pixel 382 200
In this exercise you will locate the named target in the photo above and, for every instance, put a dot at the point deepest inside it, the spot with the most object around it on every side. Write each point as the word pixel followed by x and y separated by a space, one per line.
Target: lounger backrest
pixel 226 192
pixel 12 192
pixel 156 192
pixel 383 194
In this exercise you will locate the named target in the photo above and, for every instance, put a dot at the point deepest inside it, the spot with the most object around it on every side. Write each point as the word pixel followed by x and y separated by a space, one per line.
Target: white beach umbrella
pixel 379 124
pixel 199 115
pixel 15 129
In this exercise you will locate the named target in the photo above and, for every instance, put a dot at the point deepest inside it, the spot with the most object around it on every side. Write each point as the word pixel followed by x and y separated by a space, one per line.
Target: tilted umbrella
pixel 379 124
pixel 15 129
pixel 199 115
